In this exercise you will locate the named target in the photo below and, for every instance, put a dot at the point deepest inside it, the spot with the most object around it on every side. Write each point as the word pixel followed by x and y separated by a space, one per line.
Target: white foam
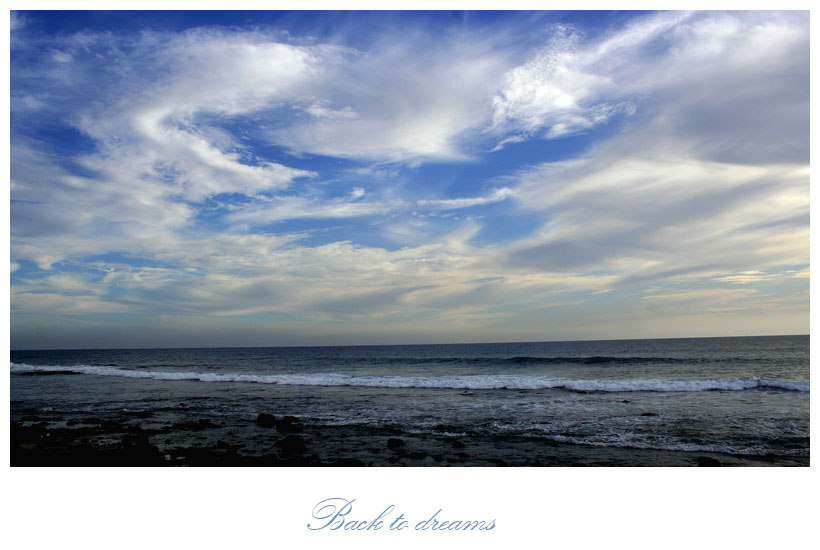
pixel 471 382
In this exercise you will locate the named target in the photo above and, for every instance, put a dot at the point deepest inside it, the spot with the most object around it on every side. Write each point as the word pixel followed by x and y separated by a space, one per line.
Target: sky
pixel 185 179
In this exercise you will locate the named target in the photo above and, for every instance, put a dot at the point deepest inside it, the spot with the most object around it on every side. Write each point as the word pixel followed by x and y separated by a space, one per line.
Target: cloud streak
pixel 431 181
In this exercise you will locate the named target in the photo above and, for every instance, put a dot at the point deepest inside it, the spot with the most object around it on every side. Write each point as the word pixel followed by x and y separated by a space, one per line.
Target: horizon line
pixel 417 344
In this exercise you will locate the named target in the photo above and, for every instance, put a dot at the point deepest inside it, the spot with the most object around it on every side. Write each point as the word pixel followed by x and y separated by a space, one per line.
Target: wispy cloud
pixel 433 180
pixel 452 204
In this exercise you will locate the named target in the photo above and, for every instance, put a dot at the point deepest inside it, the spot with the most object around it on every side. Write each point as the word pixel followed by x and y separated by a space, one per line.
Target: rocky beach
pixel 143 439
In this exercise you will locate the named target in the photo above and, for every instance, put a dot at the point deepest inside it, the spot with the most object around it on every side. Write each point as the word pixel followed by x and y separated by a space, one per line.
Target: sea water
pixel 743 396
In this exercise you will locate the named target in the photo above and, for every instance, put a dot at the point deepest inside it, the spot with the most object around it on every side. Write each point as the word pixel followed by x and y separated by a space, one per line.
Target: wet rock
pixel 292 444
pixel 137 450
pixel 708 461
pixel 649 414
pixel 395 443
pixel 417 455
pixel 459 444
pixel 266 420
pixel 288 425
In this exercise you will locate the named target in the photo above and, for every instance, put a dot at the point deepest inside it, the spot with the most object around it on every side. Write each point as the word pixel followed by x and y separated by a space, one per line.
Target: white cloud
pixel 651 220
pixel 452 204
pixel 706 181
pixel 711 176
pixel 714 82
pixel 290 208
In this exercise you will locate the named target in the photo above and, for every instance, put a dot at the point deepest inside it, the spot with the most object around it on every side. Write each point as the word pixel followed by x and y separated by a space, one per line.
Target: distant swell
pixel 534 360
pixel 470 382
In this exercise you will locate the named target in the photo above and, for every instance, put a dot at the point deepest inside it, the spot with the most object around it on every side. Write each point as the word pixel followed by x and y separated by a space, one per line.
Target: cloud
pixel 452 204
pixel 570 84
pixel 724 86
pixel 17 21
pixel 651 220
pixel 710 177
pixel 180 176
pixel 289 208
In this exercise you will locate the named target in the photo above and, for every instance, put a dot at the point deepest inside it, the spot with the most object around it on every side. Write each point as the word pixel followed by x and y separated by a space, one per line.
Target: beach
pixel 140 440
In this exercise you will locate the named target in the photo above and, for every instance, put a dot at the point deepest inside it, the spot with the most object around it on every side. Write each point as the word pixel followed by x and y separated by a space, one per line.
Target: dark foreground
pixel 137 440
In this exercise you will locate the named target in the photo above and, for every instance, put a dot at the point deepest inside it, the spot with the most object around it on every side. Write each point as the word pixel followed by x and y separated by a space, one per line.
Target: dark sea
pixel 737 396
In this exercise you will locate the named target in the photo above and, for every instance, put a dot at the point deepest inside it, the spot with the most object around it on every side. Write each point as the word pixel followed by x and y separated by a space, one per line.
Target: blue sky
pixel 308 178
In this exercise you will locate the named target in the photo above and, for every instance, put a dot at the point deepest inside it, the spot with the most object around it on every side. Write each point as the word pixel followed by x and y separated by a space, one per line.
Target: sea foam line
pixel 466 382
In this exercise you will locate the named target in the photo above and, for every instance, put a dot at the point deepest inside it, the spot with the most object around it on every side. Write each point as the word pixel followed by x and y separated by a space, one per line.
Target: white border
pixel 123 508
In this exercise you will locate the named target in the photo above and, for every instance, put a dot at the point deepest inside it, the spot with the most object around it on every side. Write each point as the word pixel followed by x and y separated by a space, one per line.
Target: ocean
pixel 701 401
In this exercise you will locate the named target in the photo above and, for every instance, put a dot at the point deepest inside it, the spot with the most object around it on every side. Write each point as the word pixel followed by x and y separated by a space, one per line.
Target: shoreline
pixel 135 439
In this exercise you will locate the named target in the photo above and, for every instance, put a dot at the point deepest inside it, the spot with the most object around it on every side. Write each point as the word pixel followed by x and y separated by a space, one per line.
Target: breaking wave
pixel 465 382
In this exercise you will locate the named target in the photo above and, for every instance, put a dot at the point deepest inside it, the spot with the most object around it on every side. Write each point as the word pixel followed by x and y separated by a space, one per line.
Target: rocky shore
pixel 139 439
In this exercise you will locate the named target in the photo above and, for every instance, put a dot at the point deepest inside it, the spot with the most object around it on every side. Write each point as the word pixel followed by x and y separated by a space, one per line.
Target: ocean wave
pixel 467 382
pixel 540 360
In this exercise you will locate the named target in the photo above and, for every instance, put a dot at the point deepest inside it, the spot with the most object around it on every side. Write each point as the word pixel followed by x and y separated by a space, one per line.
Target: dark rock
pixel 266 420
pixel 417 455
pixel 288 425
pixel 459 444
pixel 395 443
pixel 292 444
pixel 708 461
pixel 625 401
pixel 137 450
pixel 649 414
